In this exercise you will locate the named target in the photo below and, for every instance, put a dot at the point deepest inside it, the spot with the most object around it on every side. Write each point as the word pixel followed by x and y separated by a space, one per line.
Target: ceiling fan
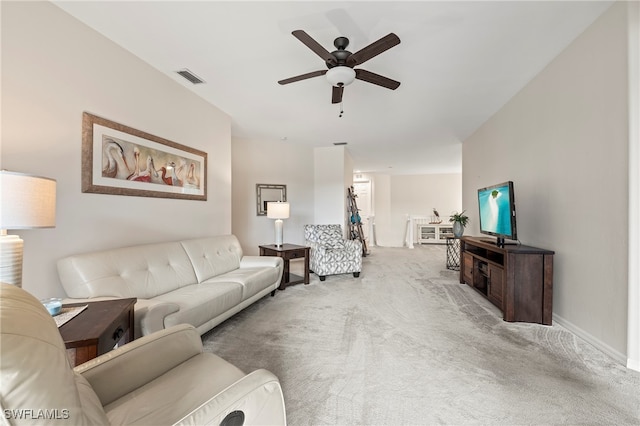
pixel 340 63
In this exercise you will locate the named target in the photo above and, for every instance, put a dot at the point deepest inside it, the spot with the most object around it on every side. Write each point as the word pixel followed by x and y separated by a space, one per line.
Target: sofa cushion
pixel 213 256
pixel 200 303
pixel 253 280
pixel 143 271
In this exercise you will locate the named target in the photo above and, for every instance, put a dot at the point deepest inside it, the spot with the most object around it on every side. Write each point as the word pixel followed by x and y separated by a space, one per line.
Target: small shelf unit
pixel 434 233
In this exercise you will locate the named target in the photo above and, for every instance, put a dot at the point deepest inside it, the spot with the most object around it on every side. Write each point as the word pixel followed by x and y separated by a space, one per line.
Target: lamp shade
pixel 26 201
pixel 277 210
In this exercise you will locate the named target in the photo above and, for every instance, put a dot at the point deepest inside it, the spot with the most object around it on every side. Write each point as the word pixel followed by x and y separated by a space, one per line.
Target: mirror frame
pixel 266 193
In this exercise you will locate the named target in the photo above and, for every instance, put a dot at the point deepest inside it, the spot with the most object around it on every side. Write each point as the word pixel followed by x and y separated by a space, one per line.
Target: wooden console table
pixel 517 279
pixel 288 252
pixel 99 328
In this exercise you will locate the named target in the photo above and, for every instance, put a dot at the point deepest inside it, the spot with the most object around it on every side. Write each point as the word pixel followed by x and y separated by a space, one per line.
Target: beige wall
pixel 316 180
pixel 633 36
pixel 397 196
pixel 53 69
pixel 333 174
pixel 270 162
pixel 563 140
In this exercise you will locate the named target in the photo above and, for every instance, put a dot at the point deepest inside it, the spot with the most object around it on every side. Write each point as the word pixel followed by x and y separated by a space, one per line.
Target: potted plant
pixel 459 221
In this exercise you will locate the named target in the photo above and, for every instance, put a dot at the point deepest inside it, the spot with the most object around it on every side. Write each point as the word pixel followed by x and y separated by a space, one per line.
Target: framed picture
pixel 120 160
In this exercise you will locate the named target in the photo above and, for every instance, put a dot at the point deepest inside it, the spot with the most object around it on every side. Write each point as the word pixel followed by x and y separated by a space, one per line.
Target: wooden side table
pixel 288 252
pixel 99 328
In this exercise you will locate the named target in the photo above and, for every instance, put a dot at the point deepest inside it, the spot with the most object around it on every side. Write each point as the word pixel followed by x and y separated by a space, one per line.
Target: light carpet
pixel 406 344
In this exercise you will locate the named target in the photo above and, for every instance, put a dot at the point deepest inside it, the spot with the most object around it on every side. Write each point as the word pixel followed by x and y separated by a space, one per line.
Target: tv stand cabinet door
pixel 495 292
pixel 524 289
pixel 467 269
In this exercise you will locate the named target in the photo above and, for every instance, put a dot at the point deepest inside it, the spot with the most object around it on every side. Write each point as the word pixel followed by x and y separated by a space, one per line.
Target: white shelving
pixel 434 233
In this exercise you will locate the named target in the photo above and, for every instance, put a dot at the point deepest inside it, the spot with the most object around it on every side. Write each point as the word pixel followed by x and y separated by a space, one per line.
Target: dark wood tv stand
pixel 517 279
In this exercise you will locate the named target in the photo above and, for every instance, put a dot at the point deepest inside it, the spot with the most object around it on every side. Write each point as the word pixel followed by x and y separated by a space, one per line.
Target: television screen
pixel 497 211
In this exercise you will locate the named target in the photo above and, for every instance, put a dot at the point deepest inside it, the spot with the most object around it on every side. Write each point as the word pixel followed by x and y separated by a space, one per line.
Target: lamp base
pixel 279 224
pixel 11 251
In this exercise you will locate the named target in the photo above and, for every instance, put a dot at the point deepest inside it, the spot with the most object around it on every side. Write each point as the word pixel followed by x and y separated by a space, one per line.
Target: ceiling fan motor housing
pixel 341 54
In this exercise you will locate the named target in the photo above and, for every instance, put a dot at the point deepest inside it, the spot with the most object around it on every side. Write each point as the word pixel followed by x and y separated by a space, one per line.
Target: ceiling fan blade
pixel 303 77
pixel 336 94
pixel 377 79
pixel 315 46
pixel 374 49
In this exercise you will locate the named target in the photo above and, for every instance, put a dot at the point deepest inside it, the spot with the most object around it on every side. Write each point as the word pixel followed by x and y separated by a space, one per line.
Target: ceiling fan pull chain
pixel 341 110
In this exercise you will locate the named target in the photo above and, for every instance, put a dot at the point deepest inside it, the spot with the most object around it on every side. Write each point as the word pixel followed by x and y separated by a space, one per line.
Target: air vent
pixel 190 76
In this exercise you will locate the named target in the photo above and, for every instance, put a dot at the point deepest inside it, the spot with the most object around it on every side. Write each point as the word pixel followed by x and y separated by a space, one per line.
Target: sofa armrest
pixel 128 367
pixel 353 245
pixel 150 315
pixel 261 262
pixel 258 395
pixel 315 245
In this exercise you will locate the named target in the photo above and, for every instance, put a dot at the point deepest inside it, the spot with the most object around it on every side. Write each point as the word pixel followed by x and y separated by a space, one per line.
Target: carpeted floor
pixel 406 344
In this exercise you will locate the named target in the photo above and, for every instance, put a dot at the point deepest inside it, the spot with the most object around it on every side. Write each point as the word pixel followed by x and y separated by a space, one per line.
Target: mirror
pixel 266 193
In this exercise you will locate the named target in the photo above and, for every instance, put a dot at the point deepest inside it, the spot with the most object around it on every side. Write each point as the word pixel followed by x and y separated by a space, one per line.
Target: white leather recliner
pixel 160 379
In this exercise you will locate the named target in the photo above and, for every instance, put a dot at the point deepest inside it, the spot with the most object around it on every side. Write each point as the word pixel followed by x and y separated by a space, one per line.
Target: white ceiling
pixel 458 63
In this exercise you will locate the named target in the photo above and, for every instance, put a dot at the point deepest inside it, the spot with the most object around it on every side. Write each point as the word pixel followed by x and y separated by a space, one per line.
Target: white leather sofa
pixel 200 281
pixel 162 379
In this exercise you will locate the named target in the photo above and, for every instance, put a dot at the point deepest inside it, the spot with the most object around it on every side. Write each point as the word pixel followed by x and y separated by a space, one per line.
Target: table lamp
pixel 278 211
pixel 26 202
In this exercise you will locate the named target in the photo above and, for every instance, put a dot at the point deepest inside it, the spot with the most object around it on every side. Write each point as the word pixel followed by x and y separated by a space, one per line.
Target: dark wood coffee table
pixel 99 328
pixel 288 252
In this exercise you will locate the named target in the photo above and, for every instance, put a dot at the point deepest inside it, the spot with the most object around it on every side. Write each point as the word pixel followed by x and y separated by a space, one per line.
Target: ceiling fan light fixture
pixel 341 75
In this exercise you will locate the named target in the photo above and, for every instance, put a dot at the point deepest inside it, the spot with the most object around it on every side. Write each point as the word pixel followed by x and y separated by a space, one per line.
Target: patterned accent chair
pixel 330 253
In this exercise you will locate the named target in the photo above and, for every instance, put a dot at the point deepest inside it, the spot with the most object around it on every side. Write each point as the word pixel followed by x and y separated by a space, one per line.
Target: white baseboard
pixel 599 344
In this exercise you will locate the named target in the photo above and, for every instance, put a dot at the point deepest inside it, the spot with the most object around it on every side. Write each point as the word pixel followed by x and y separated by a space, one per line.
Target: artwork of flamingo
pixel 120 160
pixel 136 156
pixel 165 179
pixel 145 175
pixel 192 179
pixel 116 164
pixel 174 177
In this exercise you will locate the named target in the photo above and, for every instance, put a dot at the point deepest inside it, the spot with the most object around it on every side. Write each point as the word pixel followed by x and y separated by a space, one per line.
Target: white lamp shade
pixel 26 201
pixel 340 74
pixel 277 210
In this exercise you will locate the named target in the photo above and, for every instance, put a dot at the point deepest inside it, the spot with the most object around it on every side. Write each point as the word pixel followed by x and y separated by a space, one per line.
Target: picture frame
pixel 266 193
pixel 121 160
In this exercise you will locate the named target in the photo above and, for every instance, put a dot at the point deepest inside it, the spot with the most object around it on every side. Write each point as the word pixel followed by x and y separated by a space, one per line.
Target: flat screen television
pixel 498 212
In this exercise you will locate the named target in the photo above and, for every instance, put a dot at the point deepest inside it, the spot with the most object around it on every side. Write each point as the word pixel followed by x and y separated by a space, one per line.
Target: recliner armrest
pixel 135 364
pixel 258 395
